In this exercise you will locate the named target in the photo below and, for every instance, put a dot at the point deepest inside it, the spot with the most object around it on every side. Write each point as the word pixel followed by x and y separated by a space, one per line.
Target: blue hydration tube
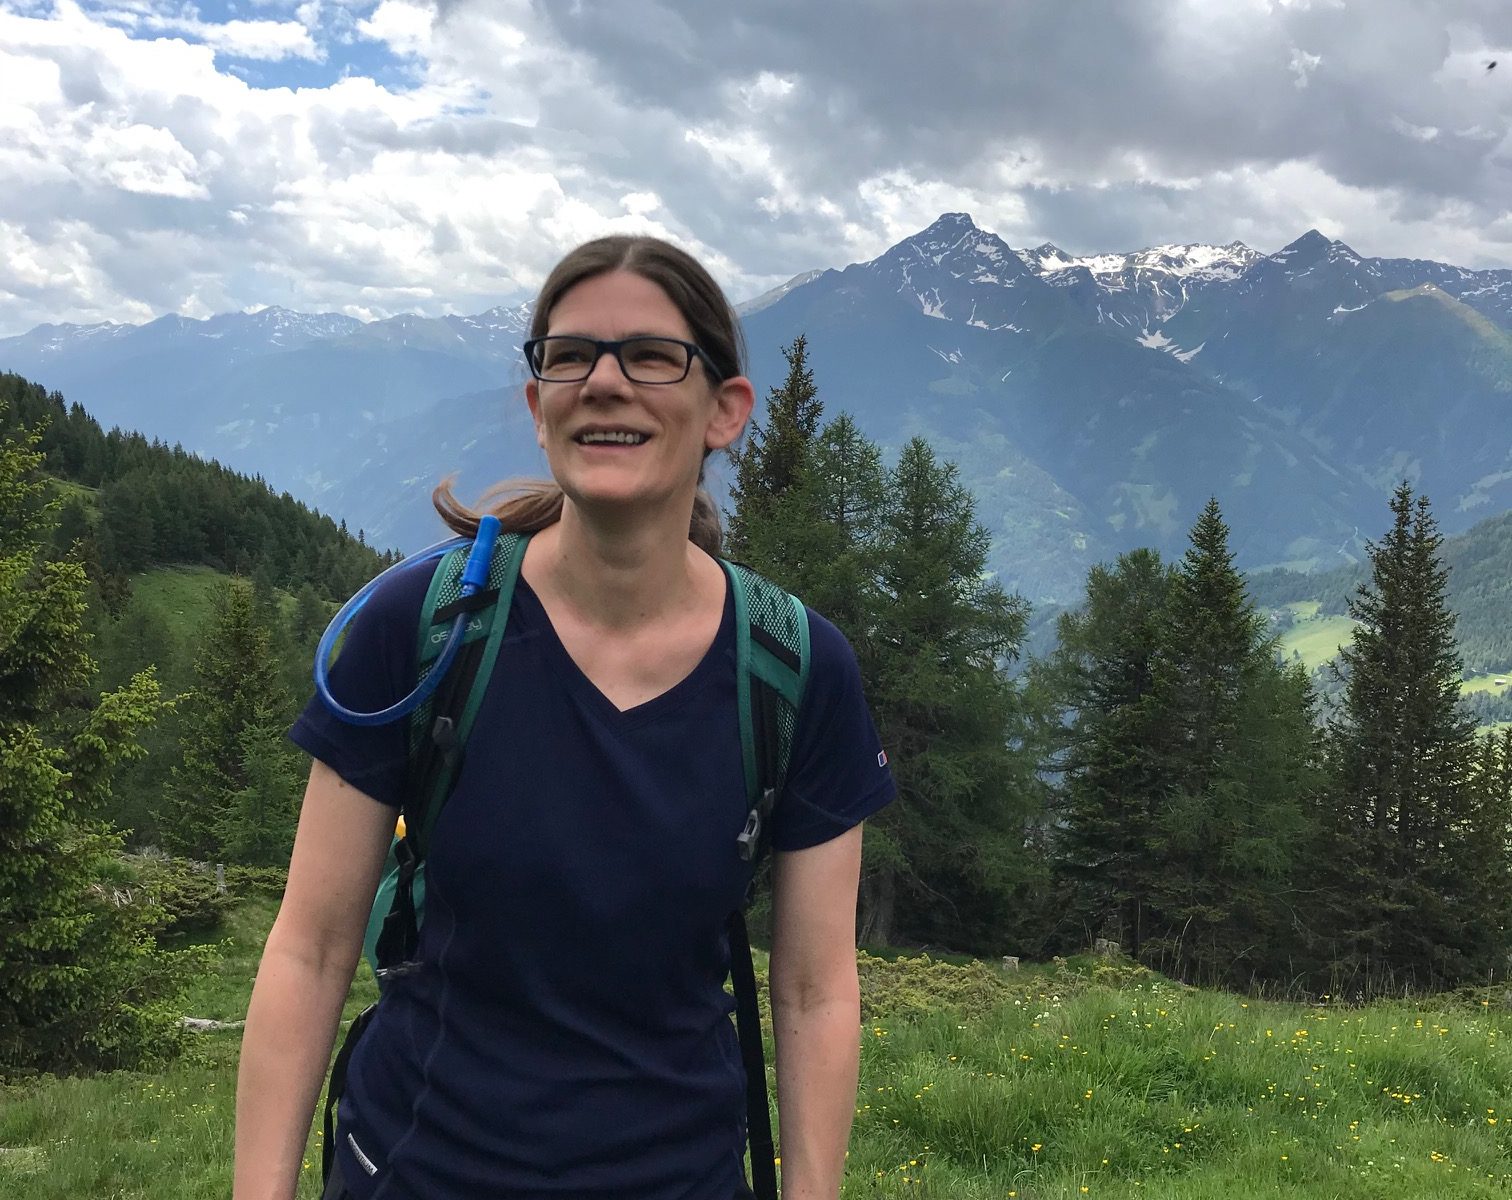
pixel 474 576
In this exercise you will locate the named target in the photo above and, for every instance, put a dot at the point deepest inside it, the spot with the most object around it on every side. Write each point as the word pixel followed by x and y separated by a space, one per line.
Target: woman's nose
pixel 606 370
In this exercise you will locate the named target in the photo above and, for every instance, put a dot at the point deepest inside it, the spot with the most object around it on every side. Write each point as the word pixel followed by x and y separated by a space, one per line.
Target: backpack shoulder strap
pixel 771 669
pixel 439 728
pixel 771 664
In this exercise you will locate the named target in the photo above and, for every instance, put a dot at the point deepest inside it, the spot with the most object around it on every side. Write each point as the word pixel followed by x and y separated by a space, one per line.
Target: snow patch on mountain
pixel 1117 272
pixel 1156 340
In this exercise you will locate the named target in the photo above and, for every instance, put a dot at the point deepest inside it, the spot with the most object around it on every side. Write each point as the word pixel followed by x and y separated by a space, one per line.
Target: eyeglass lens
pixel 643 360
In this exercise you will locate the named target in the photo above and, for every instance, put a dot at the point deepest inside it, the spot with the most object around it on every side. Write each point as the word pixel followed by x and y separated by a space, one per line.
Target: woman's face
pixel 675 423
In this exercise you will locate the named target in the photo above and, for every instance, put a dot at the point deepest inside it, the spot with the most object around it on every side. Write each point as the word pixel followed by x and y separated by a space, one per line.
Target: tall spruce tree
pixel 237 696
pixel 771 464
pixel 1099 679
pixel 82 985
pixel 1489 829
pixel 256 824
pixel 830 524
pixel 1229 734
pixel 943 862
pixel 1400 817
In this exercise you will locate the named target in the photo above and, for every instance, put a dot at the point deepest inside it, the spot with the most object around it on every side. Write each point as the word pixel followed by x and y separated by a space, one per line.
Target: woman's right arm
pixel 303 979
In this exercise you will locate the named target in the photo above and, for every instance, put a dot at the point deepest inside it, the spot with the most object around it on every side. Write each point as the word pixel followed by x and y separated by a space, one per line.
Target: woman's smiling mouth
pixel 610 437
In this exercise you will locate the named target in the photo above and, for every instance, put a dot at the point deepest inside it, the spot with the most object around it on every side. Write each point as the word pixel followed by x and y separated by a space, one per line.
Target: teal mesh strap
pixel 486 623
pixel 738 576
pixel 772 644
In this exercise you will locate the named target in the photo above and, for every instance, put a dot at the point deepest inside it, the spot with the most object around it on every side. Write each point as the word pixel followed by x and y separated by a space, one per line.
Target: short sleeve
pixel 374 668
pixel 838 775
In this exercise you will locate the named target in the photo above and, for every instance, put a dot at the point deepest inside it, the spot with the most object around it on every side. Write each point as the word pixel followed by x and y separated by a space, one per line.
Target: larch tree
pixel 946 858
pixel 236 697
pixel 769 467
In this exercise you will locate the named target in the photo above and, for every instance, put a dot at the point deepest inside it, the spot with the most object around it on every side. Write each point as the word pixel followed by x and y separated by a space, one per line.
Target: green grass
pixel 1488 683
pixel 66 490
pixel 1067 1088
pixel 1161 1091
pixel 161 1135
pixel 1316 639
pixel 183 596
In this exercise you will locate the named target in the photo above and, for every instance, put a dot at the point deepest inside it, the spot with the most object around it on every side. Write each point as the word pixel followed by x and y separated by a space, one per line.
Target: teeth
pixel 623 439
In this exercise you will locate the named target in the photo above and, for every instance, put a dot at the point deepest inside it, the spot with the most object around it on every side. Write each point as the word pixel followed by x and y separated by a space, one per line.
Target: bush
pixel 915 987
pixel 257 881
pixel 184 892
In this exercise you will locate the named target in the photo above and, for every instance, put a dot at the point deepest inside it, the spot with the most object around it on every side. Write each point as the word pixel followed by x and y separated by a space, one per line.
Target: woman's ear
pixel 733 400
pixel 533 402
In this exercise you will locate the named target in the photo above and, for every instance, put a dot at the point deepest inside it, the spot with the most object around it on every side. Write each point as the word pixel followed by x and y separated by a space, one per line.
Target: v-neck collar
pixel 576 680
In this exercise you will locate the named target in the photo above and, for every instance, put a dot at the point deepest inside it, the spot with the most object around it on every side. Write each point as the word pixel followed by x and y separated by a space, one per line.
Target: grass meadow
pixel 1314 639
pixel 1066 1081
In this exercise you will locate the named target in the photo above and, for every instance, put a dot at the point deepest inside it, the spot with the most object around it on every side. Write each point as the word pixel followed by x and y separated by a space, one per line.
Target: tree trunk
pixel 875 910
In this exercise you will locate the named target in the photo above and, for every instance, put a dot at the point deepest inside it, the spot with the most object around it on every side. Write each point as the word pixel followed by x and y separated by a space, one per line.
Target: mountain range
pixel 1093 404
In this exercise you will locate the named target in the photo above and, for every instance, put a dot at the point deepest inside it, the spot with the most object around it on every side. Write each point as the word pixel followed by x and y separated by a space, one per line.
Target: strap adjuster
pixel 747 838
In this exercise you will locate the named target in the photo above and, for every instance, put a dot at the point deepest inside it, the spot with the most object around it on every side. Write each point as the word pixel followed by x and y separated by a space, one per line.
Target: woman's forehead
pixel 617 304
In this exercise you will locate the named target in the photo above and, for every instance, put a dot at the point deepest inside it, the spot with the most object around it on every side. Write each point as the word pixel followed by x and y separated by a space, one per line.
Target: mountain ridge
pixel 1095 402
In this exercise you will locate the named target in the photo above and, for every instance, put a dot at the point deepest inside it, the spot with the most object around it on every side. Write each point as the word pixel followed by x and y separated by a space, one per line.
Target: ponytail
pixel 530 505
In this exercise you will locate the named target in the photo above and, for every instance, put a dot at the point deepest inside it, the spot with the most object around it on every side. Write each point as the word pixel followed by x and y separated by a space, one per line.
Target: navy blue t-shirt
pixel 568 1033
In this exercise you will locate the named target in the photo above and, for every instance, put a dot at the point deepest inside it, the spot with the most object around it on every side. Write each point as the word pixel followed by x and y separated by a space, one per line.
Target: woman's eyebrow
pixel 639 333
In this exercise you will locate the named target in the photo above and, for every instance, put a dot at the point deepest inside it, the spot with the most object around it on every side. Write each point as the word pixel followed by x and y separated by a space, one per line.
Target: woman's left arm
pixel 816 1010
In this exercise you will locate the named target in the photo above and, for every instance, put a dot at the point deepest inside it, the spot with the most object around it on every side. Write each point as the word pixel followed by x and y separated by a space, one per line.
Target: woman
pixel 568 1032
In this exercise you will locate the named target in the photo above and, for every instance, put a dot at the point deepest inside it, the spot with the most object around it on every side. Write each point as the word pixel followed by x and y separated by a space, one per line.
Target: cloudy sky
pixel 380 156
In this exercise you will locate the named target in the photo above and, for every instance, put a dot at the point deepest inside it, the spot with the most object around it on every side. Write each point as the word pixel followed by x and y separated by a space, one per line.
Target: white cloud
pixel 269 41
pixel 1303 65
pixel 144 159
pixel 404 28
pixel 143 175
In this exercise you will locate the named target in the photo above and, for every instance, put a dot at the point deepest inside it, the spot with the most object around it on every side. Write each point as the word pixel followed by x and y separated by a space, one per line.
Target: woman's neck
pixel 619 575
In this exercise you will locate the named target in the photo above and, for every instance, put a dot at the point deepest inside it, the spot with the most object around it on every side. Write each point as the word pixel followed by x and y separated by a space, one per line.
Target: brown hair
pixel 526 505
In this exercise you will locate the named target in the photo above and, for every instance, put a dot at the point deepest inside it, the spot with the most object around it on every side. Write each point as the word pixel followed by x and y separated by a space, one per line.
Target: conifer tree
pixel 944 860
pixel 1488 830
pixel 1230 737
pixel 82 985
pixel 830 526
pixel 1099 679
pixel 256 825
pixel 237 695
pixel 772 462
pixel 1400 815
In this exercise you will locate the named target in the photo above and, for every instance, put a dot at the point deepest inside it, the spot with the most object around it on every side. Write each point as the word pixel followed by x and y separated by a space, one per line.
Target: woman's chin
pixel 618 497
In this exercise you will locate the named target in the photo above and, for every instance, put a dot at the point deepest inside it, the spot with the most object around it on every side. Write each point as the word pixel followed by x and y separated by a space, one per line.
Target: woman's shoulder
pixel 394 603
pixel 832 669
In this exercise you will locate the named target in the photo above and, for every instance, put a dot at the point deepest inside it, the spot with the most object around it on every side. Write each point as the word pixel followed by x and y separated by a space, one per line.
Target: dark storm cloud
pixel 1389 94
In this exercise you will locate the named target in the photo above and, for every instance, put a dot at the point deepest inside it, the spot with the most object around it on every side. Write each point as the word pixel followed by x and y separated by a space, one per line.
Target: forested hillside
pixel 149 504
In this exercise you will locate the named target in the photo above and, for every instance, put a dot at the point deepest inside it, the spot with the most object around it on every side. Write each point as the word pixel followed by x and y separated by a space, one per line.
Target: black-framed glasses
pixel 563 358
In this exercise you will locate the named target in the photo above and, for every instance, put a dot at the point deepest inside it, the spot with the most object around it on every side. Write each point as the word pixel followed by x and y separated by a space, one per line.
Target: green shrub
pixel 185 894
pixel 915 987
pixel 257 881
